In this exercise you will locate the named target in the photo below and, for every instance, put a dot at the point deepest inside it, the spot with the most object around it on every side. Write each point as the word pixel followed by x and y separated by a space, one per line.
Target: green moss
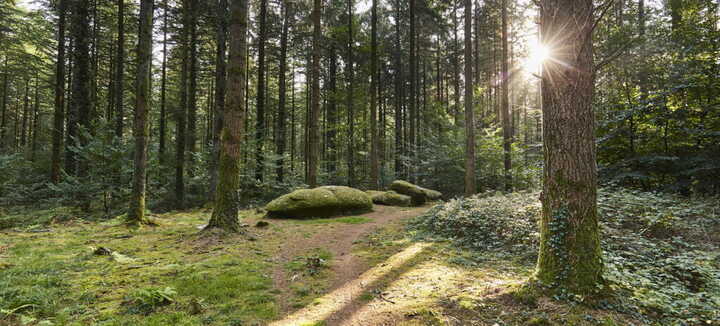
pixel 320 202
pixel 390 198
pixel 419 195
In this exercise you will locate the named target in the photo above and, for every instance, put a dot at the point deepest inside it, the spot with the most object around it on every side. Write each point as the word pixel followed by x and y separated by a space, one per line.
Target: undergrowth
pixel 661 252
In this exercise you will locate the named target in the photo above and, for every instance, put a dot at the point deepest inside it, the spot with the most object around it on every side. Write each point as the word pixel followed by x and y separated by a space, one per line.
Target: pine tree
pixel 225 212
pixel 136 212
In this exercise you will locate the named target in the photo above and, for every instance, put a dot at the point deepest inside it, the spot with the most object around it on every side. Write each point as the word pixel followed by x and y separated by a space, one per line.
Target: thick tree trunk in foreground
pixel 469 115
pixel 314 137
pixel 570 255
pixel 220 80
pixel 136 212
pixel 225 212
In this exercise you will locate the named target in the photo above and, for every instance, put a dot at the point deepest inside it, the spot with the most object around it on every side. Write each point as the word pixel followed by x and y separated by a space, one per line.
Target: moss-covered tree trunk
pixel 570 255
pixel 220 79
pixel 136 212
pixel 225 213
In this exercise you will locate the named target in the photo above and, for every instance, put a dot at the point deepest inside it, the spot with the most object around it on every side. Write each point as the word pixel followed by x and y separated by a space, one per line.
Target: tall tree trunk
pixel 350 97
pixel 225 212
pixel 398 95
pixel 220 86
pixel 413 92
pixel 332 111
pixel 163 90
pixel 70 110
pixel 120 73
pixel 374 155
pixel 456 65
pixel 26 112
pixel 136 211
pixel 81 101
pixel 470 188
pixel 192 84
pixel 505 100
pixel 570 256
pixel 180 123
pixel 260 104
pixel 642 74
pixel 314 136
pixel 36 119
pixel 5 98
pixel 282 97
pixel 58 111
pixel 292 121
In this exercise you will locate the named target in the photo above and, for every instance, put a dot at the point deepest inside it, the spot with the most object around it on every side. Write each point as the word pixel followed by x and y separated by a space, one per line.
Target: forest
pixel 360 162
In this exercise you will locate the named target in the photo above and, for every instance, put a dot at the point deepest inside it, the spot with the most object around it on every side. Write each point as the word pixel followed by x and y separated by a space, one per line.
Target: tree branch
pixel 615 54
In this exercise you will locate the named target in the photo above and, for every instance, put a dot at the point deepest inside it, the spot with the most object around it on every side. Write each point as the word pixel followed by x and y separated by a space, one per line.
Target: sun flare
pixel 537 55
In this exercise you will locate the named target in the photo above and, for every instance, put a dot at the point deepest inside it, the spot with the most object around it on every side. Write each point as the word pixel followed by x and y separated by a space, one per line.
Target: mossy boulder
pixel 419 195
pixel 325 201
pixel 389 198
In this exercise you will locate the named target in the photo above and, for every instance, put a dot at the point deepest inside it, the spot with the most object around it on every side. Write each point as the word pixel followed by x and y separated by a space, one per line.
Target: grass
pixel 55 277
pixel 309 274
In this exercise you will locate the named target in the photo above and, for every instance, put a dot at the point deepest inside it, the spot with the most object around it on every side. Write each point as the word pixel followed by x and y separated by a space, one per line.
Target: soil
pixel 338 239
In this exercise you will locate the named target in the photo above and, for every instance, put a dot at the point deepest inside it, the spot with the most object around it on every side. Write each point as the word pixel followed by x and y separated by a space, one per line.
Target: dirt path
pixel 337 238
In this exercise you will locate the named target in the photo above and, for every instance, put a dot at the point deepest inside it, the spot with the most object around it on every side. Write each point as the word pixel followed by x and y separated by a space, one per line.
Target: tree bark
pixel 81 100
pixel 136 211
pixel 350 107
pixel 163 90
pixel 374 155
pixel 192 84
pixel 260 99
pixel 470 187
pixel 570 255
pixel 413 95
pixel 120 73
pixel 281 119
pixel 5 98
pixel 314 136
pixel 505 101
pixel 225 212
pixel 220 88
pixel 181 112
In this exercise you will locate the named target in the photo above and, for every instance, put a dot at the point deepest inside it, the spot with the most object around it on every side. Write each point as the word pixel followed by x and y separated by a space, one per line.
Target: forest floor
pixel 353 270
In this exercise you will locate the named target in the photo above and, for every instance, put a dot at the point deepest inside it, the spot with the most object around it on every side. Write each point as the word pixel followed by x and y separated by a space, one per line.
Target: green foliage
pixel 485 222
pixel 660 251
pixel 146 300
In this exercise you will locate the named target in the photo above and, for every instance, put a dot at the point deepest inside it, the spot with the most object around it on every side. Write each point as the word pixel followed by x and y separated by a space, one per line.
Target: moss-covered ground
pixel 458 265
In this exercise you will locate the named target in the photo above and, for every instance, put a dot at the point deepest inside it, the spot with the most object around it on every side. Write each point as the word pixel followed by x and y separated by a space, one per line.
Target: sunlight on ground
pixel 338 299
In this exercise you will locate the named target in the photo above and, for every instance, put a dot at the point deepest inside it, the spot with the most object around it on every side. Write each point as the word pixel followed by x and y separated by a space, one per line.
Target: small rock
pixel 262 224
pixel 102 251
